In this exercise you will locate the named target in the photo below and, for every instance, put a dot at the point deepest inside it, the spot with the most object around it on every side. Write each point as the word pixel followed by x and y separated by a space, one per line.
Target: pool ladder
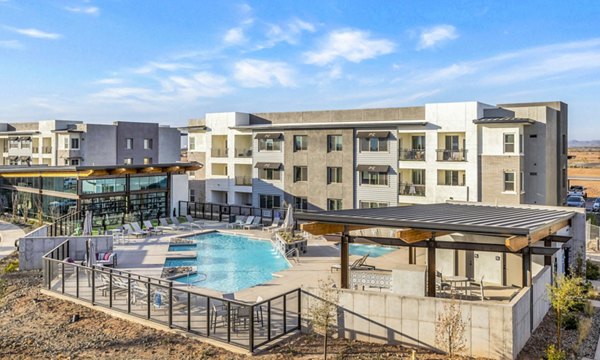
pixel 205 276
pixel 292 252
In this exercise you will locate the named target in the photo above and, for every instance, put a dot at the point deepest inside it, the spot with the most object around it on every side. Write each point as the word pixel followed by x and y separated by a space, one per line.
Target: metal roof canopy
pixel 373 168
pixel 462 218
pixel 373 134
pixel 265 165
pixel 274 136
pixel 503 120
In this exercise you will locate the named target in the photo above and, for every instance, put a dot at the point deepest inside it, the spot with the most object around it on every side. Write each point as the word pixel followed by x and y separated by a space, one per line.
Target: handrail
pixel 294 250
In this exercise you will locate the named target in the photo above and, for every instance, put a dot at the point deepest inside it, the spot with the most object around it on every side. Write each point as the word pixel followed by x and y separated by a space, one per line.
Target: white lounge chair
pixel 191 223
pixel 138 230
pixel 275 225
pixel 164 225
pixel 255 224
pixel 191 220
pixel 358 264
pixel 249 221
pixel 150 228
pixel 179 225
pixel 239 222
pixel 130 231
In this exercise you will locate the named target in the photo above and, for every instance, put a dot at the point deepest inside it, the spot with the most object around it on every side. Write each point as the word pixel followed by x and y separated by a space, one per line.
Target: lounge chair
pixel 239 222
pixel 248 221
pixel 106 258
pixel 164 225
pixel 151 229
pixel 129 231
pixel 358 264
pixel 179 225
pixel 256 223
pixel 136 227
pixel 191 220
pixel 275 225
pixel 191 223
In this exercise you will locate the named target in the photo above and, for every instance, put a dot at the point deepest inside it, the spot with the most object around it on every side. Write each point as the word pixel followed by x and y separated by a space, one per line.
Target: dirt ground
pixel 35 326
pixel 584 164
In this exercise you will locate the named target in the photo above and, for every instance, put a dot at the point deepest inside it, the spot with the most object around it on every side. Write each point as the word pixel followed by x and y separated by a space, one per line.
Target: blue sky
pixel 169 61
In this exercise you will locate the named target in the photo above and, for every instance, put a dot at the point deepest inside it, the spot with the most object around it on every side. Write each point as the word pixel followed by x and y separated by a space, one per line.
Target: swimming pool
pixel 231 262
pixel 372 250
pixel 182 247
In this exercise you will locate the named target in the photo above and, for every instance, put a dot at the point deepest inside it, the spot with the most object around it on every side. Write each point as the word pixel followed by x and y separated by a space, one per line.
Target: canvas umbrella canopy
pixel 87 223
pixel 91 252
pixel 288 223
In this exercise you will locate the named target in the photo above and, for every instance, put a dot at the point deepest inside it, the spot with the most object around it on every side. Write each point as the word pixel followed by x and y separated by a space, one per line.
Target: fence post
pixel 207 316
pixel 189 311
pixel 251 330
pixel 170 304
pixel 93 286
pixel 62 280
pixel 228 321
pixel 285 313
pixel 110 290
pixel 299 308
pixel 220 213
pixel 77 282
pixel 128 293
pixel 148 298
pixel 269 320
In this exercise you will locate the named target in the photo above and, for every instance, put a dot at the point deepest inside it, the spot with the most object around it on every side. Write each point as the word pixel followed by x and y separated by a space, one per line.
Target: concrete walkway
pixel 8 234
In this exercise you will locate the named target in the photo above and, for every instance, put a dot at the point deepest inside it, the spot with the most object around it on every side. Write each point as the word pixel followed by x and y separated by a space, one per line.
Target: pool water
pixel 372 250
pixel 182 247
pixel 180 262
pixel 232 262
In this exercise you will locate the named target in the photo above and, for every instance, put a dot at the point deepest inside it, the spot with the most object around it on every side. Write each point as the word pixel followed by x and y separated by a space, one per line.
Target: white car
pixel 577 190
pixel 596 205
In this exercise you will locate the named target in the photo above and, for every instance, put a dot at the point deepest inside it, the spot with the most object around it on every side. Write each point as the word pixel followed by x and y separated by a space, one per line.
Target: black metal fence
pixel 246 325
pixel 224 212
pixel 67 224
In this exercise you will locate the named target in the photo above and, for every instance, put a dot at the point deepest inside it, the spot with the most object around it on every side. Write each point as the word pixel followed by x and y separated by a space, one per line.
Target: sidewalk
pixel 8 234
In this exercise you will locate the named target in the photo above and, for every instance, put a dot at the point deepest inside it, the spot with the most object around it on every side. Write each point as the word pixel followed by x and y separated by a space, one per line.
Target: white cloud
pixel 234 36
pixel 352 45
pixel 289 32
pixel 258 73
pixel 11 44
pixel 109 81
pixel 432 36
pixel 201 84
pixel 89 10
pixel 35 33
pixel 153 66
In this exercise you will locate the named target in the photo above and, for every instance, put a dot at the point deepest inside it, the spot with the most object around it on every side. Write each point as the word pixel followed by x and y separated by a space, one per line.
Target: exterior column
pixel 412 255
pixel 431 267
pixel 526 267
pixel 548 258
pixel 344 254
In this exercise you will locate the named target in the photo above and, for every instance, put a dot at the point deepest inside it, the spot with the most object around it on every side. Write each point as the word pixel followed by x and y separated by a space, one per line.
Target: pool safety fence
pixel 245 325
pixel 229 213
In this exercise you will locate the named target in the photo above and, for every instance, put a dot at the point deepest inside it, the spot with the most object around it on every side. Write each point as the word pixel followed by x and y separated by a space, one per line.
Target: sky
pixel 170 61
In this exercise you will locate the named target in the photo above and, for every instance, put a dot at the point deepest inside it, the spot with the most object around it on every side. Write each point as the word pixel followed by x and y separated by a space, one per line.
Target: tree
pixel 563 294
pixel 450 329
pixel 324 311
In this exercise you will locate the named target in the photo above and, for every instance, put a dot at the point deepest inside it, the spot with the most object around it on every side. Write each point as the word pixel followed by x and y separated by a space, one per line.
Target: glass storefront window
pixel 101 186
pixel 148 182
pixel 62 184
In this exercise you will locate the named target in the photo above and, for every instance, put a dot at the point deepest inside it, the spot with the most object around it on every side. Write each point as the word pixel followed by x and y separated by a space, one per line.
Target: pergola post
pixel 548 258
pixel 526 255
pixel 412 255
pixel 431 267
pixel 344 255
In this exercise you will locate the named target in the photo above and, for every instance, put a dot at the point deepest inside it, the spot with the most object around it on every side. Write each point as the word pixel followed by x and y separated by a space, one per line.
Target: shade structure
pixel 87 223
pixel 288 223
pixel 274 136
pixel 266 165
pixel 373 168
pixel 373 134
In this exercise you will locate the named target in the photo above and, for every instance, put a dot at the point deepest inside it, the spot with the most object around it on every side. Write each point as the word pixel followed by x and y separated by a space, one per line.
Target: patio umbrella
pixel 288 223
pixel 91 252
pixel 87 223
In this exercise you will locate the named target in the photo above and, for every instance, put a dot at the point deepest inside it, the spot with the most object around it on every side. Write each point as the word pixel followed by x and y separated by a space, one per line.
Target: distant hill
pixel 584 144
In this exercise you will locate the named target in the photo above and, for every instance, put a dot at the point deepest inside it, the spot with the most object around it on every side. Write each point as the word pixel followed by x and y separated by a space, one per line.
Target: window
pixel 334 143
pixel 334 204
pixel 300 142
pixel 67 162
pixel 371 204
pixel 521 145
pixel 509 181
pixel 75 162
pixel 191 143
pixel 269 145
pixel 128 161
pixel 534 136
pixel 451 177
pixel 509 143
pixel 418 142
pixel 129 143
pixel 373 144
pixel 192 195
pixel 75 143
pixel 522 182
pixel 270 201
pixel 373 178
pixel 451 142
pixel 14 144
pixel 26 143
pixel 147 160
pixel 300 173
pixel 564 144
pixel 269 174
pixel 66 143
pixel 334 175
pixel 300 203
pixel 147 144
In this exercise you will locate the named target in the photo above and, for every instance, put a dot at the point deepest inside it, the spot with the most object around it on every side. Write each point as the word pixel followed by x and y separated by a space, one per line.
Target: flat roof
pixel 96 170
pixel 503 120
pixel 333 125
pixel 463 218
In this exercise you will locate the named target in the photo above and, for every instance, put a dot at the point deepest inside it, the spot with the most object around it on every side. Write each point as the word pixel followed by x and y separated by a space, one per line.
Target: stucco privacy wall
pixel 494 330
pixel 31 249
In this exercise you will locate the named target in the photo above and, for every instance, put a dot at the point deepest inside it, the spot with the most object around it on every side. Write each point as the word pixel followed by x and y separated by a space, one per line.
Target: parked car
pixel 577 190
pixel 576 201
pixel 596 205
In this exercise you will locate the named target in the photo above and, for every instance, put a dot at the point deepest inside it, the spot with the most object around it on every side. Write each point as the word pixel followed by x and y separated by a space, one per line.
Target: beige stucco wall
pixel 358 115
pixel 492 179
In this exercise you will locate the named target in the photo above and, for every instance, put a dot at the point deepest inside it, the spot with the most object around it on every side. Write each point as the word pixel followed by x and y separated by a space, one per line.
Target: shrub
pixel 592 270
pixel 552 353
pixel 570 322
pixel 11 267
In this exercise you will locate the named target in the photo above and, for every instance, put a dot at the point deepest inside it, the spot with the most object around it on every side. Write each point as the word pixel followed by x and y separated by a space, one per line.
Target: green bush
pixel 11 267
pixel 552 353
pixel 571 321
pixel 592 270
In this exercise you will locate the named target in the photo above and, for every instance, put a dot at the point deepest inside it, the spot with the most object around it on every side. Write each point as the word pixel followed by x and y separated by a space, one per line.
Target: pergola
pixel 419 226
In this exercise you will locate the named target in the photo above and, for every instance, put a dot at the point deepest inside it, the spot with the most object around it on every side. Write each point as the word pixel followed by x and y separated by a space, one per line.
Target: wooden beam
pixel 316 228
pixel 412 235
pixel 173 169
pixel 516 243
pixel 123 171
pixel 150 169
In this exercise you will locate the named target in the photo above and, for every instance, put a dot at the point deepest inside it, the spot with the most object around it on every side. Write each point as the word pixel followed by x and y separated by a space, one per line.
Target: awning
pixel 274 136
pixel 25 158
pixel 373 168
pixel 264 165
pixel 13 138
pixel 373 134
pixel 25 138
pixel 13 157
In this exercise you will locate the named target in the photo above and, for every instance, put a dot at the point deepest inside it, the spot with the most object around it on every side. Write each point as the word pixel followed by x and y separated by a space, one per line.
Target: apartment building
pixel 196 151
pixel 339 159
pixel 75 143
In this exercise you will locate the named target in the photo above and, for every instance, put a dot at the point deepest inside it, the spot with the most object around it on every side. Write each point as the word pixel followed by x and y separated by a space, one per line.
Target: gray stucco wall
pixel 32 249
pixel 138 132
pixel 169 145
pixel 99 145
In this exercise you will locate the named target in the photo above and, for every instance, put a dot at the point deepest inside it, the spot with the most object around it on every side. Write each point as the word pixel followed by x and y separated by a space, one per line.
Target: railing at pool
pixel 246 325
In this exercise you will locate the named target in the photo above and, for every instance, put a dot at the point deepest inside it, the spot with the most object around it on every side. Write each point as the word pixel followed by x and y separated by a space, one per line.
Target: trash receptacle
pixel 232 218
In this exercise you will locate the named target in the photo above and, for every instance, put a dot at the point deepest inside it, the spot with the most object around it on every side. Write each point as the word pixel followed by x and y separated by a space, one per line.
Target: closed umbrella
pixel 91 252
pixel 87 223
pixel 288 223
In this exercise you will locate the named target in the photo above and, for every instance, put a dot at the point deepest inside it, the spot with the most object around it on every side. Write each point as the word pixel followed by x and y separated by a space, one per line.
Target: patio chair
pixel 191 220
pixel 481 288
pixel 256 223
pixel 151 229
pixel 218 314
pixel 358 264
pixel 181 226
pixel 274 225
pixel 240 220
pixel 164 225
pixel 130 231
pixel 440 285
pixel 136 227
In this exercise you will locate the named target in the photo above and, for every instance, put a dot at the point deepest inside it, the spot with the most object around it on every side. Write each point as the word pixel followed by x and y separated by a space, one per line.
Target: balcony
pixel 412 154
pixel 218 152
pixel 47 150
pixel 243 180
pixel 243 153
pixel 451 155
pixel 407 189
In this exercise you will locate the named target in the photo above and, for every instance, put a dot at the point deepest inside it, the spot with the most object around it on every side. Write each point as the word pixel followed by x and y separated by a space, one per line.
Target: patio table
pixel 454 280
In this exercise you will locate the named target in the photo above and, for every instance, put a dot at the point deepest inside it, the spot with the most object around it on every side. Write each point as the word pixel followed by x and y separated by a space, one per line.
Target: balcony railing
pixel 35 150
pixel 451 155
pixel 243 153
pixel 406 189
pixel 412 154
pixel 218 152
pixel 47 150
pixel 243 180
